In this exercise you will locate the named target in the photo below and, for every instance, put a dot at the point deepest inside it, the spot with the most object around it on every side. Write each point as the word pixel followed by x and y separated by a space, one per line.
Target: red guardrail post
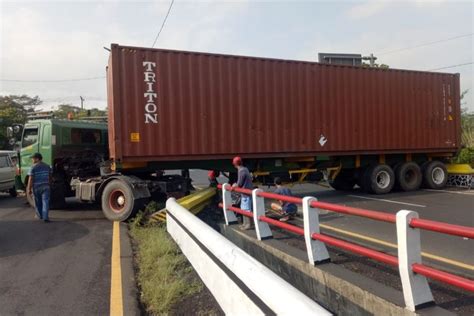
pixel 261 228
pixel 416 290
pixel 317 252
pixel 229 216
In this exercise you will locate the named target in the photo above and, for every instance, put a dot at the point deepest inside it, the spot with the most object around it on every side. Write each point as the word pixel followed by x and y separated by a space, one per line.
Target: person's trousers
pixel 42 193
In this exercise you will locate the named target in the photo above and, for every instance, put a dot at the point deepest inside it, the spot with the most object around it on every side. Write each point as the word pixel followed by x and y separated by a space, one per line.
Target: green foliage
pixel 164 275
pixel 467 127
pixel 14 109
pixel 141 219
pixel 64 109
pixel 466 155
pixel 381 66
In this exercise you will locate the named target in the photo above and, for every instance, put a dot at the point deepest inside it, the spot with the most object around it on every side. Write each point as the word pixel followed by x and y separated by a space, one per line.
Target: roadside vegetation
pixel 164 275
pixel 466 155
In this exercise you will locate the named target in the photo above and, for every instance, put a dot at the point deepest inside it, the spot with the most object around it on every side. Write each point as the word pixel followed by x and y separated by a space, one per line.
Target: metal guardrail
pixel 194 202
pixel 240 284
pixel 413 273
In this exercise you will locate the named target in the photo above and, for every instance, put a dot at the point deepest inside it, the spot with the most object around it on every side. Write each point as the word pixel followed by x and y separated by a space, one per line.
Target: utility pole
pixel 82 102
pixel 371 58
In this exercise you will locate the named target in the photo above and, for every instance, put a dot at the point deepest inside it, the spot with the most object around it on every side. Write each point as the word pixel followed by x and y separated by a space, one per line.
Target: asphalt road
pixel 453 253
pixel 56 268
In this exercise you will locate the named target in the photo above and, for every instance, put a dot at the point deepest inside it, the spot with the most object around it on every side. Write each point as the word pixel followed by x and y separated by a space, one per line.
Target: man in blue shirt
pixel 39 184
pixel 285 209
pixel 244 181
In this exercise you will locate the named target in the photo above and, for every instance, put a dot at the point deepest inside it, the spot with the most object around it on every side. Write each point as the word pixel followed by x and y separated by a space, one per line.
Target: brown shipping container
pixel 176 105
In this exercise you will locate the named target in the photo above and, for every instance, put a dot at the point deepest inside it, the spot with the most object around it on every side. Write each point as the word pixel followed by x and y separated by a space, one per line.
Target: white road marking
pixel 388 201
pixel 471 192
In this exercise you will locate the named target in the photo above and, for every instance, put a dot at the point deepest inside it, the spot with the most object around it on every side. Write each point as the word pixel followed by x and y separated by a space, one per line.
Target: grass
pixel 164 274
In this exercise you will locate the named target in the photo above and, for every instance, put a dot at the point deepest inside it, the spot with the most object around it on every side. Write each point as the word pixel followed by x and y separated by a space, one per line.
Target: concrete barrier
pixel 240 284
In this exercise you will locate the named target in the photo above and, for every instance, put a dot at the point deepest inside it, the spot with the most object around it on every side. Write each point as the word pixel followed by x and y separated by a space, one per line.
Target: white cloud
pixel 36 47
pixel 366 9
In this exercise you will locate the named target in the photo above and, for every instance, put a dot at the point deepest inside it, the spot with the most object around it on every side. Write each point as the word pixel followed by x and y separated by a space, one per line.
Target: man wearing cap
pixel 244 181
pixel 39 184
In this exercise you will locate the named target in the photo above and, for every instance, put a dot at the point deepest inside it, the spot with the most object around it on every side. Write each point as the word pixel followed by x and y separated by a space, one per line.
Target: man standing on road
pixel 39 184
pixel 285 209
pixel 244 181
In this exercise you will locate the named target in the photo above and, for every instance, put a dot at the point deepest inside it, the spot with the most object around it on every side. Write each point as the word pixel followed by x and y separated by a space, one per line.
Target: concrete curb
pixel 131 305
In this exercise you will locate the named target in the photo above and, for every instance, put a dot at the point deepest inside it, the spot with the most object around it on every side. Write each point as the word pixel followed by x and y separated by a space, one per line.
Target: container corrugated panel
pixel 176 105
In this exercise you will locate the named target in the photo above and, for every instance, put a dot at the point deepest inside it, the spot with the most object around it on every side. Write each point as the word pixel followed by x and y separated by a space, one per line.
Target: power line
pixel 425 44
pixel 56 80
pixel 163 24
pixel 458 65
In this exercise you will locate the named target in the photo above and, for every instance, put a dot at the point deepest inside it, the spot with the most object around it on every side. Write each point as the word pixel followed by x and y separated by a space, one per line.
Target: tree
pixel 78 113
pixel 381 66
pixel 14 109
pixel 466 155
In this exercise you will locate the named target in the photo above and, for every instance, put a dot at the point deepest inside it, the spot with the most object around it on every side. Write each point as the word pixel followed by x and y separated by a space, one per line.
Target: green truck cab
pixel 71 148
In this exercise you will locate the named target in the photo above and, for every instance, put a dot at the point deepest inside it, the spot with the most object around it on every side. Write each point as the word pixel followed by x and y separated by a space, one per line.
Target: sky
pixel 57 40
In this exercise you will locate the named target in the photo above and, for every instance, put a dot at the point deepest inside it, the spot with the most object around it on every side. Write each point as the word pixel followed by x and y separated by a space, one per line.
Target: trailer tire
pixel 435 175
pixel 378 179
pixel 344 181
pixel 408 176
pixel 118 202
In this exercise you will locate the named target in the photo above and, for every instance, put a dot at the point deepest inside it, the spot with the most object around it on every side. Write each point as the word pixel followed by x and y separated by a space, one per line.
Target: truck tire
pixel 12 192
pixel 378 179
pixel 435 175
pixel 118 202
pixel 408 176
pixel 57 197
pixel 344 181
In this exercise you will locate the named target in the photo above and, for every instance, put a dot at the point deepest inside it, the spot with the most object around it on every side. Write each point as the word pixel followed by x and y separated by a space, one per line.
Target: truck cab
pixel 71 148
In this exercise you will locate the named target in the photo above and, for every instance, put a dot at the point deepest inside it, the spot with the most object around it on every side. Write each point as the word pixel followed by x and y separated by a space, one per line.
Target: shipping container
pixel 175 105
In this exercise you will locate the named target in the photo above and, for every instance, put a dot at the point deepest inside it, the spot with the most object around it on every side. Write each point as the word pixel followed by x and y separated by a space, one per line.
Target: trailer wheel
pixel 118 202
pixel 344 181
pixel 435 175
pixel 408 176
pixel 378 179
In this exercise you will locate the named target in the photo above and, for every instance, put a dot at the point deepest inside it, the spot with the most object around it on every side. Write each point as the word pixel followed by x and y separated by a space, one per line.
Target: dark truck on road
pixel 378 128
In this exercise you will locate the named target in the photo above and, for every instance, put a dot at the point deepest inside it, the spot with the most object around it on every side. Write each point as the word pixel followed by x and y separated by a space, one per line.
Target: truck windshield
pixel 30 136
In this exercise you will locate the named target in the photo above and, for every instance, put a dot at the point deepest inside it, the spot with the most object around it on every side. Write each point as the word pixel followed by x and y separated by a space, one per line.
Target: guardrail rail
pixel 413 272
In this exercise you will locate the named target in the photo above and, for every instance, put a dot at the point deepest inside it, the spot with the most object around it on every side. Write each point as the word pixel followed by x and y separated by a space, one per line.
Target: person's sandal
pixel 285 218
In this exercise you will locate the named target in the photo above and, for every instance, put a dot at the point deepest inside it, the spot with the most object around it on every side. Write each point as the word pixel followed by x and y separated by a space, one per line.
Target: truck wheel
pixel 378 179
pixel 408 176
pixel 12 192
pixel 57 198
pixel 118 203
pixel 344 181
pixel 435 175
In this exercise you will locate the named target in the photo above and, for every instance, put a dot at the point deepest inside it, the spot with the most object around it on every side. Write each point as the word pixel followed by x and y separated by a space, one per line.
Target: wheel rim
pixel 117 201
pixel 383 179
pixel 437 175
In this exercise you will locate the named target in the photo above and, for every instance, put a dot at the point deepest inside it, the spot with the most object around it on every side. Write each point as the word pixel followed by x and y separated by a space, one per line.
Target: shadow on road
pixel 20 237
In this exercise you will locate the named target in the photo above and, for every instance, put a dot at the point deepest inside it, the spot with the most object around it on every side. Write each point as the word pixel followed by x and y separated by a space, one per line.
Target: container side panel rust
pixel 174 105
